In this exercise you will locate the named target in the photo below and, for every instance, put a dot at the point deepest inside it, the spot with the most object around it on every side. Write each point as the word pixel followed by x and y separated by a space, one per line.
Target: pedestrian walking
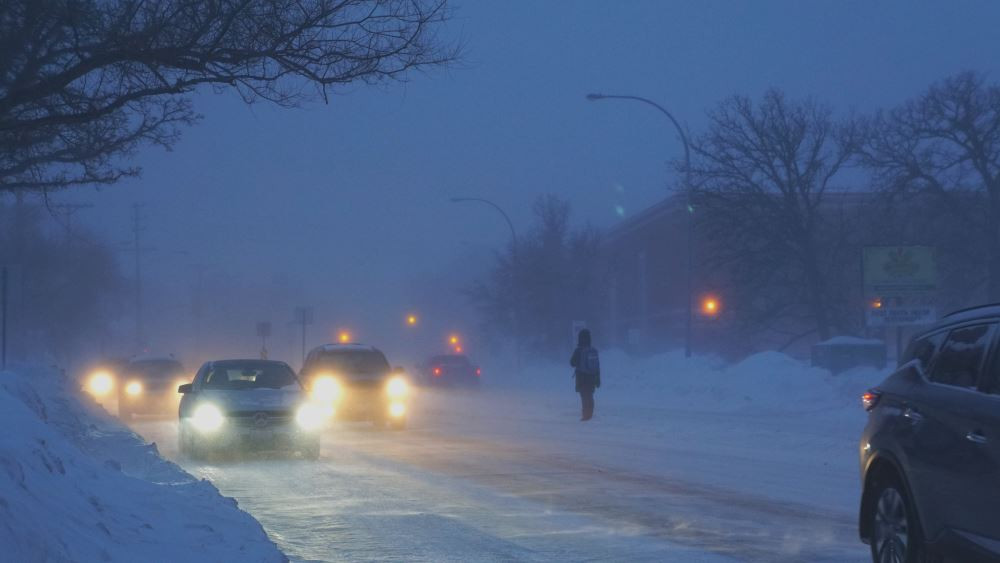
pixel 587 362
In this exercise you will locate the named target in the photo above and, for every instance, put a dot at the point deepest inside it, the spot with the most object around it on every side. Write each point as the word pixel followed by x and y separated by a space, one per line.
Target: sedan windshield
pixel 249 375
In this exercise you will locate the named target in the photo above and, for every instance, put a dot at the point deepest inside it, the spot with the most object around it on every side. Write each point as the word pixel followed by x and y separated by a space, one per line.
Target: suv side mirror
pixel 184 389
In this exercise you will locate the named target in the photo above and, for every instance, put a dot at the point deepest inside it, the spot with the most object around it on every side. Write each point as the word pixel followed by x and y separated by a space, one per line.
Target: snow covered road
pixel 464 485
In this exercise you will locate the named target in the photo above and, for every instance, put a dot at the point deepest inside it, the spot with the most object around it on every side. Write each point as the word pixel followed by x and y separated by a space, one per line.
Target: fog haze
pixel 345 205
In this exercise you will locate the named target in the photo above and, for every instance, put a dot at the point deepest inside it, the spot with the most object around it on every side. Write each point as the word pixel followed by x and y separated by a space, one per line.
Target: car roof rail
pixel 967 309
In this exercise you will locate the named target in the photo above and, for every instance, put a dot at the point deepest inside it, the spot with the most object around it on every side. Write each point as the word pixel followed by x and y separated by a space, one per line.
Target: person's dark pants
pixel 587 399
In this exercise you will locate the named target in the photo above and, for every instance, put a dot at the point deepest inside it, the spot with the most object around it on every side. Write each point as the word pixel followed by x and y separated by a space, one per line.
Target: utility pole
pixel 304 316
pixel 137 228
pixel 3 320
pixel 68 210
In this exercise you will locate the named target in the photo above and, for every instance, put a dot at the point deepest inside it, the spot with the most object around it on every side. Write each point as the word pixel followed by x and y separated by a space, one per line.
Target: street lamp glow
pixel 453 339
pixel 411 320
pixel 344 337
pixel 710 306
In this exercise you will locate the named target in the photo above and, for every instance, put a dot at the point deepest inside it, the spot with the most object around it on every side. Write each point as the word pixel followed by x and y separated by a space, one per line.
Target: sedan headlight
pixel 325 389
pixel 311 416
pixel 134 388
pixel 397 387
pixel 100 383
pixel 207 418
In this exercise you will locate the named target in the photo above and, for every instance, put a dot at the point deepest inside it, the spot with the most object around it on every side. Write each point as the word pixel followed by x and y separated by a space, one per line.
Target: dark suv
pixel 930 453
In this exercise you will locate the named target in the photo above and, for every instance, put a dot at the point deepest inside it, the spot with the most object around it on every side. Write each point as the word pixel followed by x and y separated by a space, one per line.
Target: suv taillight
pixel 870 398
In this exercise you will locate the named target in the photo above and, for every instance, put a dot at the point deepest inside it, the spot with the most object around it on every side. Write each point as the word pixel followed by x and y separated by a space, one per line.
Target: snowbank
pixel 767 381
pixel 75 485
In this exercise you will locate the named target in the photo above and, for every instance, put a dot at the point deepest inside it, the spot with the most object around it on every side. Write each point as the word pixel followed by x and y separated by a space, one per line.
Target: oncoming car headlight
pixel 397 387
pixel 100 383
pixel 207 418
pixel 133 388
pixel 325 389
pixel 311 416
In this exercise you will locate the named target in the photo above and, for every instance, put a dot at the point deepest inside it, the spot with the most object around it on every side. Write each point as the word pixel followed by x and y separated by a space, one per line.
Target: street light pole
pixel 689 205
pixel 516 264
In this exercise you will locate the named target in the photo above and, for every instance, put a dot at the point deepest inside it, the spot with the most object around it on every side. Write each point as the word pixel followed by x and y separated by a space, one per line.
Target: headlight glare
pixel 311 416
pixel 397 410
pixel 325 389
pixel 397 387
pixel 207 418
pixel 134 388
pixel 100 383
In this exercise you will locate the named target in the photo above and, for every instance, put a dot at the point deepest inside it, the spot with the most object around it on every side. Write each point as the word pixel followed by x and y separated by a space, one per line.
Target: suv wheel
pixel 895 533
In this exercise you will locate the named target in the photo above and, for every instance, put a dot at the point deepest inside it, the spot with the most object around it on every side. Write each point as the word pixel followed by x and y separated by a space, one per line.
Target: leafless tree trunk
pixel 762 173
pixel 83 83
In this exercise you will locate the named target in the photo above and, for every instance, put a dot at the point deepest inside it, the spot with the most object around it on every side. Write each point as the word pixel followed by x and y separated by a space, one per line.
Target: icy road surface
pixel 473 482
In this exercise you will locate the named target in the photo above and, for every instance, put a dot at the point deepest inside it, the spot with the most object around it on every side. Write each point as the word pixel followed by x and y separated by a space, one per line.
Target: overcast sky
pixel 350 199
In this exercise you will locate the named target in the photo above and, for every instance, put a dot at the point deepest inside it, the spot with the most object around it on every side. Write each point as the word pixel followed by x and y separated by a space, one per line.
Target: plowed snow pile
pixel 76 485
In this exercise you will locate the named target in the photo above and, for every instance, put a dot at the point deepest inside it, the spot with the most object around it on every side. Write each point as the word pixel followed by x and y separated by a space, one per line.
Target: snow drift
pixel 76 485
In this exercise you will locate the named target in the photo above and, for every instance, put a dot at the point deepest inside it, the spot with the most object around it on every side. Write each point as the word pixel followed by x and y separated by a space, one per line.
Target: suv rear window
pixel 960 362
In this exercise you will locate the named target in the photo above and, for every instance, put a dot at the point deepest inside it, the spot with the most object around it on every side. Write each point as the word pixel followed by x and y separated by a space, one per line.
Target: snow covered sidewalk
pixel 769 425
pixel 76 485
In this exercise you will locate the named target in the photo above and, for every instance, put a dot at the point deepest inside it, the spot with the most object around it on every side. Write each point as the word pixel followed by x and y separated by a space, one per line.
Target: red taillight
pixel 870 398
pixel 437 372
pixel 479 371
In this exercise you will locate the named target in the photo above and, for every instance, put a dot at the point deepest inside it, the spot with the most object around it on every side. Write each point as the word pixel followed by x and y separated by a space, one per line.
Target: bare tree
pixel 85 82
pixel 554 281
pixel 762 175
pixel 945 146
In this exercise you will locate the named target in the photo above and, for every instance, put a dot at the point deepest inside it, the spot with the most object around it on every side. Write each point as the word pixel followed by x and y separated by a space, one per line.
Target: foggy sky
pixel 347 202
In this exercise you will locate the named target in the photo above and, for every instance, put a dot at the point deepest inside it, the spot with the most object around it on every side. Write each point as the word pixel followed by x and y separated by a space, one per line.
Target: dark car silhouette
pixel 930 453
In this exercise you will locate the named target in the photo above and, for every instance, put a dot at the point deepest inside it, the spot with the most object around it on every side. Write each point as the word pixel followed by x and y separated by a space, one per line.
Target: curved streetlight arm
pixel 513 233
pixel 677 125
pixel 516 263
pixel 690 209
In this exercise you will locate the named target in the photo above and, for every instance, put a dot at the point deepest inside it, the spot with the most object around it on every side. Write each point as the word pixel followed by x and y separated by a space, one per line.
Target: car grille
pixel 260 419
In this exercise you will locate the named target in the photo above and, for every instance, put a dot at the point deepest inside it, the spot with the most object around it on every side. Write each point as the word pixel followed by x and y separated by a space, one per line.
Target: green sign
pixel 893 270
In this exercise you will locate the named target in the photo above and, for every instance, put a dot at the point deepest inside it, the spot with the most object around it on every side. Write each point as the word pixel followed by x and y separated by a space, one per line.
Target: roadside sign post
pixel 263 331
pixel 899 285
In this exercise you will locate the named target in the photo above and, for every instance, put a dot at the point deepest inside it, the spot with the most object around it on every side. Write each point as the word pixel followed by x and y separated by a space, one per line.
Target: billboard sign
pixel 894 270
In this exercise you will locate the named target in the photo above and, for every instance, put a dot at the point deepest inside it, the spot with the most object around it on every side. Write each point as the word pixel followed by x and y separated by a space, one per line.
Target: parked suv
pixel 930 453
